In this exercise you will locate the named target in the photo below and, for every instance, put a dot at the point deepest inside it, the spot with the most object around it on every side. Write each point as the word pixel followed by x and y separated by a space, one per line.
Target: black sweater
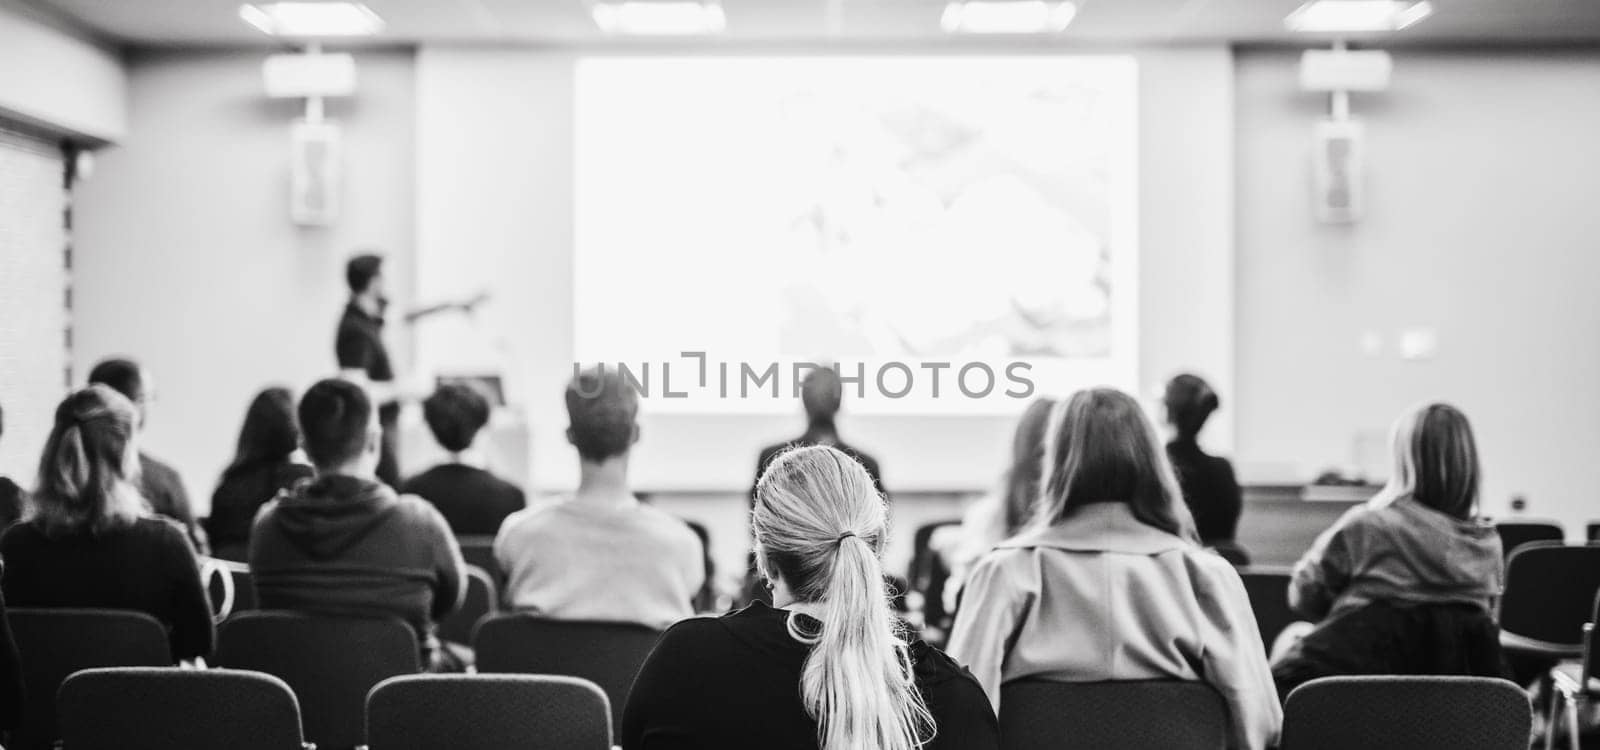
pixel 734 682
pixel 1209 488
pixel 237 499
pixel 472 501
pixel 148 566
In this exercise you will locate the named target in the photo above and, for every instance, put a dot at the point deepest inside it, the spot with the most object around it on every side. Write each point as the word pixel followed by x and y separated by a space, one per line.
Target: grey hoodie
pixel 342 545
pixel 1397 551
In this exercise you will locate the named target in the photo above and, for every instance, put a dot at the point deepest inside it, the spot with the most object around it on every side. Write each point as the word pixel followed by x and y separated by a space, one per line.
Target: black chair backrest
pixel 1591 650
pixel 54 643
pixel 608 654
pixel 1593 532
pixel 481 600
pixel 488 712
pixel 1549 589
pixel 1268 589
pixel 330 662
pixel 156 708
pixel 705 598
pixel 479 551
pixel 1128 715
pixel 1417 713
pixel 1514 534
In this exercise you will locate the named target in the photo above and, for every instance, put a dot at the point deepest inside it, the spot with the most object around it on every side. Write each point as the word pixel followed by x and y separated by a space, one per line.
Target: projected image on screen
pixel 862 209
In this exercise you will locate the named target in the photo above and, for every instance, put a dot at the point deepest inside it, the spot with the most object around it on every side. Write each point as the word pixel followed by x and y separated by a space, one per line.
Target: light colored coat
pixel 1102 596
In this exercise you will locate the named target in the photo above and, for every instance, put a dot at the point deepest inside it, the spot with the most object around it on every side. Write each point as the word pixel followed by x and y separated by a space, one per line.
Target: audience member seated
pixel 824 670
pixel 473 501
pixel 1208 484
pixel 1109 583
pixel 344 543
pixel 263 465
pixel 999 515
pixel 601 555
pixel 821 395
pixel 90 541
pixel 10 673
pixel 159 484
pixel 1404 583
pixel 12 498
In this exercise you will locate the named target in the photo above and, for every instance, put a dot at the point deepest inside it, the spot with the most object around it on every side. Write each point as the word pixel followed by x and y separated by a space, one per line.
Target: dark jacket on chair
pixel 346 546
pixel 1389 638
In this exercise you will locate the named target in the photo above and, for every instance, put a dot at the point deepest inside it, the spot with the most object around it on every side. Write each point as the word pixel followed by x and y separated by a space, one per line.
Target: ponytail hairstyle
pixel 89 463
pixel 820 526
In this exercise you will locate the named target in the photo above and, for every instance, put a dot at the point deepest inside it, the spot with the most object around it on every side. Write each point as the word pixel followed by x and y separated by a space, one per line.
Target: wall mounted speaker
pixel 314 172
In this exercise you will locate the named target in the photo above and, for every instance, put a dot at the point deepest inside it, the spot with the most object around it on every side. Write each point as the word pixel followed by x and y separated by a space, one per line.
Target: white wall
pixel 59 80
pixel 494 139
pixel 1482 226
pixel 186 259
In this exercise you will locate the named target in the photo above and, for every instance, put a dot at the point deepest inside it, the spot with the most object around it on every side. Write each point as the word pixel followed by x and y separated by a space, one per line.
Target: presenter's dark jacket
pixel 163 490
pixel 341 545
pixel 733 682
pixel 359 346
pixel 147 566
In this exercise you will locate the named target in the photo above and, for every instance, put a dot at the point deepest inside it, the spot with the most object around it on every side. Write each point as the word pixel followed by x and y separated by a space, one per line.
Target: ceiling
pixel 160 23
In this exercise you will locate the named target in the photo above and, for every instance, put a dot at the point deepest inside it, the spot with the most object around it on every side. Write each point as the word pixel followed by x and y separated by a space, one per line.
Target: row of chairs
pixel 139 708
pixel 134 709
pixel 329 662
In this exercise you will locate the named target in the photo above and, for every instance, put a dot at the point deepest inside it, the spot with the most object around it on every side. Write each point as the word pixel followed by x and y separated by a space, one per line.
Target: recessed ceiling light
pixel 659 17
pixel 1351 16
pixel 1006 16
pixel 312 19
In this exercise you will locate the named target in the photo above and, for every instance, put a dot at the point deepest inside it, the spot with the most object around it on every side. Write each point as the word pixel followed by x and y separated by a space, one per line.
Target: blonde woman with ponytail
pixel 825 667
pixel 89 540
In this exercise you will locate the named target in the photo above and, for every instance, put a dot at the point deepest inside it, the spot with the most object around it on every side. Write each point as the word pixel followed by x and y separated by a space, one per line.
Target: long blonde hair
pixel 820 526
pixel 1101 447
pixel 86 473
pixel 1435 460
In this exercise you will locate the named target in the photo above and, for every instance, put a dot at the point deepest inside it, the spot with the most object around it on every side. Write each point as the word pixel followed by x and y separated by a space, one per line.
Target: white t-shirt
pixel 623 563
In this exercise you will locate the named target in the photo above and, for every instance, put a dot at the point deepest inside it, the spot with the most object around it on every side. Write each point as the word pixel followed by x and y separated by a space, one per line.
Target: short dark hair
pixel 455 412
pixel 360 271
pixel 334 416
pixel 601 407
pixel 122 375
pixel 821 393
pixel 1190 401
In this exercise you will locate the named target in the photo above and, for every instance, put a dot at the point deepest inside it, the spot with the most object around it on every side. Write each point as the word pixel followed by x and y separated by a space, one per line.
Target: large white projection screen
pixel 961 231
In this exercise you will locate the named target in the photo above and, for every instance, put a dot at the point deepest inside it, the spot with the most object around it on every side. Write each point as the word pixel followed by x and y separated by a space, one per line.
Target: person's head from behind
pixel 364 275
pixel 269 434
pixel 339 428
pixel 602 413
pixel 1101 447
pixel 90 460
pixel 455 413
pixel 1190 401
pixel 1436 459
pixel 126 377
pixel 820 526
pixel 821 393
pixel 1027 463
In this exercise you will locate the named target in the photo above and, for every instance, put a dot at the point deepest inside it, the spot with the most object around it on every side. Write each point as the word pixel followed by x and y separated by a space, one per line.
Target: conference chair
pixel 1040 714
pixel 608 654
pixel 479 550
pixel 329 662
pixel 1574 684
pixel 1514 534
pixel 54 643
pixel 928 575
pixel 1593 532
pixel 1268 589
pixel 705 600
pixel 488 712
pixel 1549 587
pixel 1416 713
pixel 157 708
pixel 480 601
pixel 229 585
